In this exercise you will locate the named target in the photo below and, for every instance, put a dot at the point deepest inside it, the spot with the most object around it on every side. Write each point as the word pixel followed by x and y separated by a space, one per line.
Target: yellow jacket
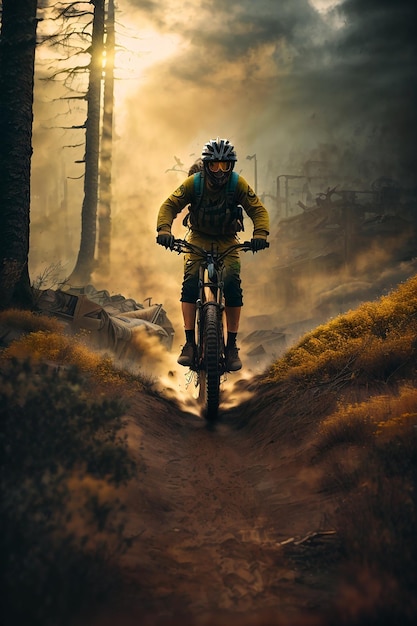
pixel 214 205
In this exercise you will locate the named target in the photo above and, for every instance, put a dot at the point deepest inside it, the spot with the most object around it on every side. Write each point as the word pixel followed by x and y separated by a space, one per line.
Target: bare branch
pixel 81 97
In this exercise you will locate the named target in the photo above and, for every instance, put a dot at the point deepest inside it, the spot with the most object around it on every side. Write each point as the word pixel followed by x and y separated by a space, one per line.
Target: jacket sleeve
pixel 253 207
pixel 174 204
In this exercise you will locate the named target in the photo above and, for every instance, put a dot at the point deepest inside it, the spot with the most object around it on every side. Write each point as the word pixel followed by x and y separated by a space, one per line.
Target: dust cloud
pixel 158 368
pixel 293 82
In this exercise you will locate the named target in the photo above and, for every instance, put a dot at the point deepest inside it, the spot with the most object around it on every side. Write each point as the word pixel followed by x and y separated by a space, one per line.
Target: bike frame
pixel 210 364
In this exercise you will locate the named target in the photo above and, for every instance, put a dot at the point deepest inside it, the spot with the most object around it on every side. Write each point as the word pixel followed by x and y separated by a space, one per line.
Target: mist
pixel 290 81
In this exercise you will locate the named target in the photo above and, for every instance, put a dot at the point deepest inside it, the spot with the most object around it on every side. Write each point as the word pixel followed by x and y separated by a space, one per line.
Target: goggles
pixel 215 166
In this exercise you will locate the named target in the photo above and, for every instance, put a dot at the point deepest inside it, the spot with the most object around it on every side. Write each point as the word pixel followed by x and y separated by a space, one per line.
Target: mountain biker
pixel 214 217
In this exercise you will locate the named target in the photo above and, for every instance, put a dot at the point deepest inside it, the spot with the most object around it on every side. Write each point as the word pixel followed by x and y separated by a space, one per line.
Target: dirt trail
pixel 208 512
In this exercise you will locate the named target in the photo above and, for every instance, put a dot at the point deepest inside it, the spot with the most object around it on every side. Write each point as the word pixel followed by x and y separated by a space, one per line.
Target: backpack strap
pixel 198 189
pixel 231 187
pixel 198 186
pixel 198 193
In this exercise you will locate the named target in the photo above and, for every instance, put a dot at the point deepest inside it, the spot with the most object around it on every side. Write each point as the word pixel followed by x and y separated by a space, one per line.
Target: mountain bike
pixel 210 355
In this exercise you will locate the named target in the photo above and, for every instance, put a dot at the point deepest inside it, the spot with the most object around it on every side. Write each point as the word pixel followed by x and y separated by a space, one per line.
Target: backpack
pixel 236 210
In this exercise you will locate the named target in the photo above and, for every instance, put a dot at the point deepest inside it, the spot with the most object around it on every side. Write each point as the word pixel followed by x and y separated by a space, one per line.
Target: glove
pixel 258 243
pixel 165 239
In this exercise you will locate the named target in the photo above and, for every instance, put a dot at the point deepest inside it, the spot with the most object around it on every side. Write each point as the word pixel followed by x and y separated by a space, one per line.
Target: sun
pixel 139 50
pixel 323 6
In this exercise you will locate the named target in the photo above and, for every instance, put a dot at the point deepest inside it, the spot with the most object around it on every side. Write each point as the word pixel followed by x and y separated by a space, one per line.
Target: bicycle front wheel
pixel 212 361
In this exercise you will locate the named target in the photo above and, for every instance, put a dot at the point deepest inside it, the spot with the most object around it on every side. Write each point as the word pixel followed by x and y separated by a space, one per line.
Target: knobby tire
pixel 212 361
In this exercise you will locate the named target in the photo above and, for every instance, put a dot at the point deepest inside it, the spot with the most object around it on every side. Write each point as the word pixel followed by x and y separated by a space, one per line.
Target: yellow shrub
pixel 59 349
pixel 379 335
pixel 28 321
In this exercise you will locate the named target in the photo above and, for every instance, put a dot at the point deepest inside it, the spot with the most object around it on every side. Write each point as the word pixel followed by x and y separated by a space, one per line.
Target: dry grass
pixel 375 343
pixel 29 322
pixel 52 346
pixel 366 445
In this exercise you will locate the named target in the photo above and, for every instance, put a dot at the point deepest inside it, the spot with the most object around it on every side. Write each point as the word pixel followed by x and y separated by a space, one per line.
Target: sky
pixel 280 78
pixel 290 81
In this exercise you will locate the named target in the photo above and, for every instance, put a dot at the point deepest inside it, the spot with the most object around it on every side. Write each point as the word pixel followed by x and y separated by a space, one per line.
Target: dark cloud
pixel 347 76
pixel 373 73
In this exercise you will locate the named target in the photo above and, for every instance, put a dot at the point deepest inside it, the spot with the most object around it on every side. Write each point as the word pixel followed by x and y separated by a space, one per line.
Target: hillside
pixel 299 509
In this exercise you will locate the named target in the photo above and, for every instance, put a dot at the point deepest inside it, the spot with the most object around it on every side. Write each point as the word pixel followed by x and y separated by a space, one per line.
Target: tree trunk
pixel 17 57
pixel 104 219
pixel 84 267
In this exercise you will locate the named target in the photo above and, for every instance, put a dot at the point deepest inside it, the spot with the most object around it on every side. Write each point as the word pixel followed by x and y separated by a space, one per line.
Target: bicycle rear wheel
pixel 212 361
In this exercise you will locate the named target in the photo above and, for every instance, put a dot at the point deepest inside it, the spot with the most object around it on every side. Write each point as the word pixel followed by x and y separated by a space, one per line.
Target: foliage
pixel 62 459
pixel 371 344
pixel 28 321
pixel 52 346
pixel 362 367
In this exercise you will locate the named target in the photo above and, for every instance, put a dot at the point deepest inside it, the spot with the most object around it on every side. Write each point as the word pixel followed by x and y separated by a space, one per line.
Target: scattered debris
pixel 307 538
pixel 111 320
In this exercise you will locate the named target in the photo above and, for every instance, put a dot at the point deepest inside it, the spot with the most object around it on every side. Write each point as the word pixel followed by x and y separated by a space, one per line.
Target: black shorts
pixel 231 272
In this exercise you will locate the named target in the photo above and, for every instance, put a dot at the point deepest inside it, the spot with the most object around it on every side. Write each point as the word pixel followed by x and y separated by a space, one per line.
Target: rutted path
pixel 209 513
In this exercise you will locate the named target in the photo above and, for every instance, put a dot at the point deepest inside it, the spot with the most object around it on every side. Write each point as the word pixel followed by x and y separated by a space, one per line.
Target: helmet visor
pixel 216 166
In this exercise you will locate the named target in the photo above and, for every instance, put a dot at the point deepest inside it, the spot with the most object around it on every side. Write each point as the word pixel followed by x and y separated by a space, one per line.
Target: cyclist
pixel 215 217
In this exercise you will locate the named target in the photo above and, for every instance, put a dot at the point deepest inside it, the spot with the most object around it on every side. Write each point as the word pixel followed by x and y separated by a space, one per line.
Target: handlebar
pixel 181 245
